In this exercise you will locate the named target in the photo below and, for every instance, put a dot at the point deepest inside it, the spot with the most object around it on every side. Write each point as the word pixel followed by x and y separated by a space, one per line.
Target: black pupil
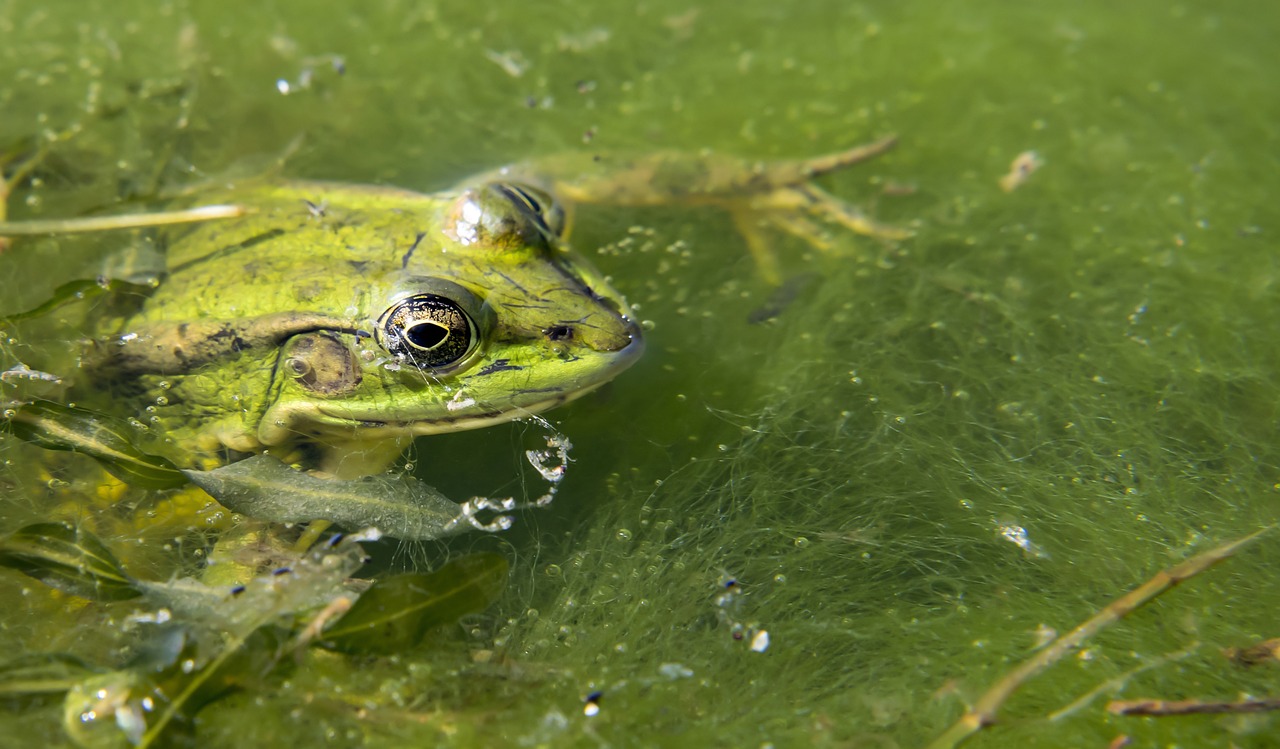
pixel 426 335
pixel 537 208
pixel 428 330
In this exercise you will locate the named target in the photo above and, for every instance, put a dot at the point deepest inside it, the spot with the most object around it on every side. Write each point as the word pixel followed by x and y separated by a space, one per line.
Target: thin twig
pixel 983 713
pixel 1111 685
pixel 1190 707
pixel 124 221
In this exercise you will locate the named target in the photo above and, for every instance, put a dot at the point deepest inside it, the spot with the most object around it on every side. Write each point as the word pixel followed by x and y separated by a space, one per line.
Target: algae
pixel 914 471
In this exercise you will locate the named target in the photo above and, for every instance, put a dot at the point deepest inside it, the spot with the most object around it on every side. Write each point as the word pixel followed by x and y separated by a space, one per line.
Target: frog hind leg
pixel 797 171
pixel 826 206
pixel 785 209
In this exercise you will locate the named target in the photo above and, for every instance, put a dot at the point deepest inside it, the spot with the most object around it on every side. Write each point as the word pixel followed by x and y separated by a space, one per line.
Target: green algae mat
pixel 978 485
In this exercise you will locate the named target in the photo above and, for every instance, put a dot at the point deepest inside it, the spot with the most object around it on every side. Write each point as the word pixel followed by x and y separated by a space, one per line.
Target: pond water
pixel 912 467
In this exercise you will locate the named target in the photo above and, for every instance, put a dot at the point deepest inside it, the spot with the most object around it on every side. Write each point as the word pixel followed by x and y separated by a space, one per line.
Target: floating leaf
pixel 78 290
pixel 69 559
pixel 400 506
pixel 397 611
pixel 54 426
pixel 42 674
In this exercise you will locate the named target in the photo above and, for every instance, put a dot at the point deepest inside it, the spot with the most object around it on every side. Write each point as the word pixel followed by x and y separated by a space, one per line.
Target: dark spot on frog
pixel 230 249
pixel 316 210
pixel 359 266
pixel 558 333
pixel 236 344
pixel 499 365
pixel 308 292
pixel 404 261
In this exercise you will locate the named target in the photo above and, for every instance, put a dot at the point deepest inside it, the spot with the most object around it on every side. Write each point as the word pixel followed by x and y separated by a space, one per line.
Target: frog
pixel 331 324
pixel 334 323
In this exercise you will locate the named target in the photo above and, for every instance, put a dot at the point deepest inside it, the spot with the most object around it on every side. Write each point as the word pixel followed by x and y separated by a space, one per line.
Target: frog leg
pixel 750 229
pixel 785 209
pixel 827 206
pixel 796 172
pixel 781 195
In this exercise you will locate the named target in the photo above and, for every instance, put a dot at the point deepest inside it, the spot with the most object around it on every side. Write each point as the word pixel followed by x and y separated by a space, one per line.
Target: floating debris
pixel 1267 650
pixel 512 62
pixel 1024 165
pixel 307 77
pixel 21 371
pixel 591 708
pixel 1017 535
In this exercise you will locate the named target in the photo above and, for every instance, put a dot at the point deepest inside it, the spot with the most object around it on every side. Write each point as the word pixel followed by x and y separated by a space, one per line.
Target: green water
pixel 937 450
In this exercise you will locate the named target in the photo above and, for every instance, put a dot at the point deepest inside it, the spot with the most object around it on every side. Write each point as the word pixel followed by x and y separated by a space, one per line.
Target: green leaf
pixel 397 611
pixel 68 559
pixel 42 673
pixel 54 426
pixel 74 291
pixel 400 506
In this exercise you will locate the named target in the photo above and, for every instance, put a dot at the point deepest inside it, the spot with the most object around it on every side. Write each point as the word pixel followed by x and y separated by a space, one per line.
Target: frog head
pixel 489 318
pixel 350 319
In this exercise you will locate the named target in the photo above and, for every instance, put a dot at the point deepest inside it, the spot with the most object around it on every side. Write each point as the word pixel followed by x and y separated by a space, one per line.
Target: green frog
pixel 331 324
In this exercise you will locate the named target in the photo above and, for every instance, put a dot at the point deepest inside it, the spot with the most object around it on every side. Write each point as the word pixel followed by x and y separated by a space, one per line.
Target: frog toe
pixel 830 208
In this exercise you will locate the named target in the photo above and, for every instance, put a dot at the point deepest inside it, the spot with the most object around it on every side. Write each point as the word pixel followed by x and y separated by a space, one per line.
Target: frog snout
pixel 617 334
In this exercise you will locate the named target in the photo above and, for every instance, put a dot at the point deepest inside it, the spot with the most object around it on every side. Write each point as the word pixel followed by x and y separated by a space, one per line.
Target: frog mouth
pixel 463 412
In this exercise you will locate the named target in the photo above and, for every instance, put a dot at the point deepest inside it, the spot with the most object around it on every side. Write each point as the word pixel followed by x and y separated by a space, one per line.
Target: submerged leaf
pixel 107 711
pixel 78 290
pixel 154 702
pixel 69 559
pixel 402 506
pixel 54 426
pixel 397 611
pixel 41 674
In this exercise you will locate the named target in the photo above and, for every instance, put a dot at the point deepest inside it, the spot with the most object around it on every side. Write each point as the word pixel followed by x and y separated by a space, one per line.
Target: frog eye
pixel 427 330
pixel 505 216
pixel 538 204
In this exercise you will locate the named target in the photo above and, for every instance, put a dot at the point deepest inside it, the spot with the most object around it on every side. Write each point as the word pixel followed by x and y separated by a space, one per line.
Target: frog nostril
pixel 558 333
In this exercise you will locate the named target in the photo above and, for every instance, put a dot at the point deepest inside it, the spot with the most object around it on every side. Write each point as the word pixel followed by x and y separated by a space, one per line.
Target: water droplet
pixel 624 534
pixel 801 542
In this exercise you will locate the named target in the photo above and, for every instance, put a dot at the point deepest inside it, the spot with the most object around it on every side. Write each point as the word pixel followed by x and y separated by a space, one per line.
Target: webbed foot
pixel 791 203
